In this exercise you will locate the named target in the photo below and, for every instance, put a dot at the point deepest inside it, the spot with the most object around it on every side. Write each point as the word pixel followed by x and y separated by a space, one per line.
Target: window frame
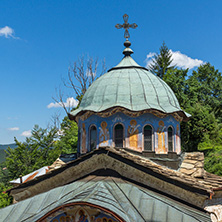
pixel 93 125
pixel 114 134
pixel 152 137
pixel 172 138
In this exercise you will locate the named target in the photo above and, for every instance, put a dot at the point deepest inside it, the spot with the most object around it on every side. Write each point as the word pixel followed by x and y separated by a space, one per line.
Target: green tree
pixel 199 94
pixel 213 162
pixel 161 62
pixel 206 84
pixel 204 103
pixel 177 80
pixel 37 151
pixel 69 136
pixel 5 200
pixel 201 123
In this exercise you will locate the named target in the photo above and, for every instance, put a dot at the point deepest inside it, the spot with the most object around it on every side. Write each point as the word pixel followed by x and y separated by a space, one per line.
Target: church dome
pixel 132 87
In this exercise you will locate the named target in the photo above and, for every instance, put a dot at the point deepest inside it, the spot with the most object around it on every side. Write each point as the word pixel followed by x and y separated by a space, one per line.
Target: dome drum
pixel 145 132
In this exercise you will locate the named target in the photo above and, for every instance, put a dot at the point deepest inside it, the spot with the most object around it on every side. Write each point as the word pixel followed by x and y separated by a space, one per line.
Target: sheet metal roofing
pixel 129 201
pixel 130 86
pixel 31 176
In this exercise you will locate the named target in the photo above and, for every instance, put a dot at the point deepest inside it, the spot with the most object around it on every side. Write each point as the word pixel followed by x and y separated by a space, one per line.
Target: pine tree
pixel 161 62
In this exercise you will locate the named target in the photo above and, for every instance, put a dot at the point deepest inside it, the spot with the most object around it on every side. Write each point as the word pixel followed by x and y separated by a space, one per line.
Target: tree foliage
pixel 5 200
pixel 37 151
pixel 69 136
pixel 161 62
pixel 200 94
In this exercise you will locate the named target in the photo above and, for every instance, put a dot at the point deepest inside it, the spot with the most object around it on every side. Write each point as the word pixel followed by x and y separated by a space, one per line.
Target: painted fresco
pixel 161 137
pixel 133 127
pixel 133 134
pixel 82 216
pixel 80 213
pixel 103 134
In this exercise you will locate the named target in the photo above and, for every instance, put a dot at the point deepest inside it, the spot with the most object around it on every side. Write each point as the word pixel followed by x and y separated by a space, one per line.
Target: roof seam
pixel 156 93
pixel 120 73
pixel 143 89
pixel 94 96
pixel 168 91
pixel 131 104
pixel 168 203
pixel 129 201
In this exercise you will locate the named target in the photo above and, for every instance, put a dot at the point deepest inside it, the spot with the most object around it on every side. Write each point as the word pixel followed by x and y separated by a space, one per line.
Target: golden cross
pixel 126 26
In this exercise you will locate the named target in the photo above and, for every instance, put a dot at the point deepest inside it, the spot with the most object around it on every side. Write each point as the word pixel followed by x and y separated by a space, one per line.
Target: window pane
pixel 93 137
pixel 170 139
pixel 147 137
pixel 119 135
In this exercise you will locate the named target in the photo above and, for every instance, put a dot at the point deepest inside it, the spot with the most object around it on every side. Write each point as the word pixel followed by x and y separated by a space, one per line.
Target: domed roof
pixel 130 86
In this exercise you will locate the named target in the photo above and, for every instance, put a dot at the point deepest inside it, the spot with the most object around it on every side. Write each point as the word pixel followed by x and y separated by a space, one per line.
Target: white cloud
pixel 27 133
pixel 149 59
pixel 70 102
pixel 179 60
pixel 184 61
pixel 13 129
pixel 7 32
pixel 151 55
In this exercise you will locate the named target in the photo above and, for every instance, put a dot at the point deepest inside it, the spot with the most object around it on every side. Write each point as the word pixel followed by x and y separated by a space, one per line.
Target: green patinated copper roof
pixel 129 201
pixel 130 86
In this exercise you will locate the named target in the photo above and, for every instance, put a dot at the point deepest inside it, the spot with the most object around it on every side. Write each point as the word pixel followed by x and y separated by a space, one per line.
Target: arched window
pixel 92 137
pixel 118 135
pixel 170 138
pixel 148 143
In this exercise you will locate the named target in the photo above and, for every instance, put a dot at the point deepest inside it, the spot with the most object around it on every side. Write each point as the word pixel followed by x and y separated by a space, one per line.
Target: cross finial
pixel 126 26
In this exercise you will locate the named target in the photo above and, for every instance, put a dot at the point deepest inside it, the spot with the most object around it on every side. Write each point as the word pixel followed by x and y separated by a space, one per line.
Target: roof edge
pixel 185 116
pixel 116 154
pixel 128 67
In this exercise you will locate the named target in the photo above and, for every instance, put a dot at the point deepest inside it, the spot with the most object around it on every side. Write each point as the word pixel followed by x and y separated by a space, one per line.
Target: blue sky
pixel 40 39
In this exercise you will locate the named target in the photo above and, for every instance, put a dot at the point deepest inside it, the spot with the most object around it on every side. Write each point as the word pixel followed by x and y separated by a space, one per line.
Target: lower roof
pixel 129 201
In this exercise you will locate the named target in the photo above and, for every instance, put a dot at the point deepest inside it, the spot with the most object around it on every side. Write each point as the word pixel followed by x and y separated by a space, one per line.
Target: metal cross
pixel 126 26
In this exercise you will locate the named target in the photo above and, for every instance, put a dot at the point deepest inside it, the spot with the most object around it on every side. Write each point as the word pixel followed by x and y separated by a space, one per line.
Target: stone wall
pixel 193 164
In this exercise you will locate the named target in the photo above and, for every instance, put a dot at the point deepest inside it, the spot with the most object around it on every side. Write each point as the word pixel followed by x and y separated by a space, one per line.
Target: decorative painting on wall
pixel 81 213
pixel 133 134
pixel 82 216
pixel 103 134
pixel 161 137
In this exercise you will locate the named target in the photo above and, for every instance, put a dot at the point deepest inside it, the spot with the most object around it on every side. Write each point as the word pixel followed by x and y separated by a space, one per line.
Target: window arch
pixel 118 135
pixel 170 138
pixel 92 137
pixel 148 137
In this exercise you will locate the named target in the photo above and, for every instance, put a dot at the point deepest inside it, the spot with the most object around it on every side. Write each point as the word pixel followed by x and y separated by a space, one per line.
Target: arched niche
pixel 170 138
pixel 118 135
pixel 81 212
pixel 148 138
pixel 92 137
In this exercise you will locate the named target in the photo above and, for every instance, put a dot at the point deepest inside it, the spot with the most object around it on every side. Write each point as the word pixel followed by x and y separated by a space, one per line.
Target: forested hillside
pixel 2 150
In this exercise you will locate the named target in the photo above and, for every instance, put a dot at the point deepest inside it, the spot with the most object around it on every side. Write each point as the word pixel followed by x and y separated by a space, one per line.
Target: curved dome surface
pixel 130 86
